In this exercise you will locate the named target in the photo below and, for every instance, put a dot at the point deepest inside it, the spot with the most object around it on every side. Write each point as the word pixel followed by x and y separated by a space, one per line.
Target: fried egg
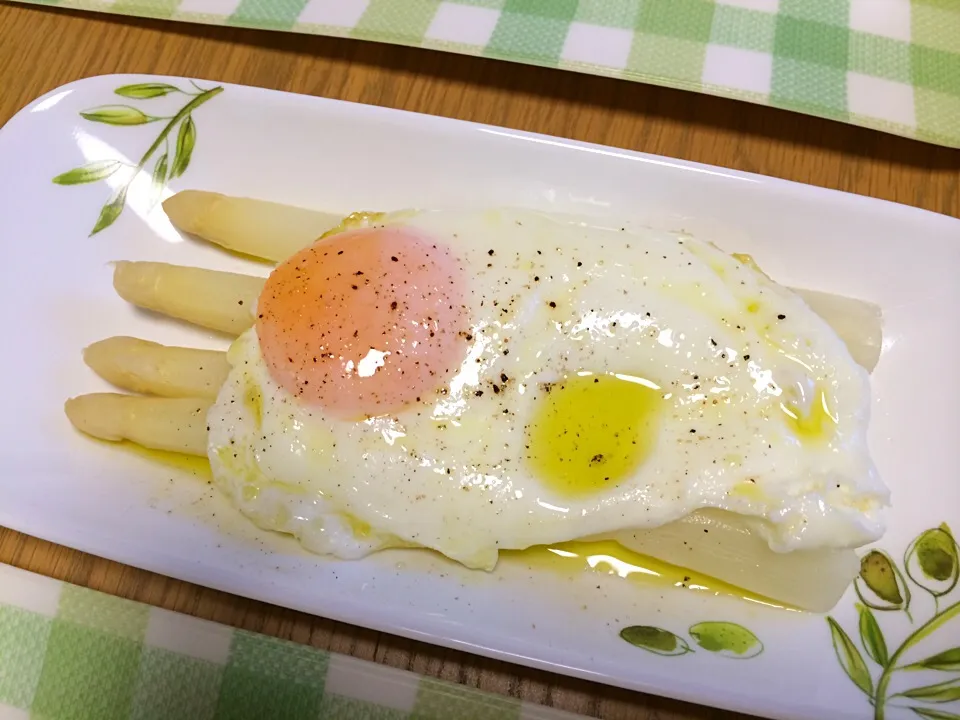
pixel 477 381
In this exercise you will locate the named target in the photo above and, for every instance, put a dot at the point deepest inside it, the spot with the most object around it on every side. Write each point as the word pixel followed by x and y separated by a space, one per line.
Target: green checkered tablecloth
pixel 893 65
pixel 68 653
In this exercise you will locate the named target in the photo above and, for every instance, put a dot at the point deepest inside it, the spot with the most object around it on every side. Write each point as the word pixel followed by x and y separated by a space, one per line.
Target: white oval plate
pixel 56 297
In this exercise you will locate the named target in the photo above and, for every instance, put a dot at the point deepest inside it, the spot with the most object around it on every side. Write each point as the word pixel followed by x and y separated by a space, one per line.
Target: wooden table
pixel 41 49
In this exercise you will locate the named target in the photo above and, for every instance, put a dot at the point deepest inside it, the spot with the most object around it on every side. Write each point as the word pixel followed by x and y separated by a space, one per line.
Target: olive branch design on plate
pixel 930 564
pixel 726 639
pixel 171 163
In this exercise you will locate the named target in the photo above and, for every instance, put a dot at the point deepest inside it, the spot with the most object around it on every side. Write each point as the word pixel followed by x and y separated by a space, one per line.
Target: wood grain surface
pixel 41 49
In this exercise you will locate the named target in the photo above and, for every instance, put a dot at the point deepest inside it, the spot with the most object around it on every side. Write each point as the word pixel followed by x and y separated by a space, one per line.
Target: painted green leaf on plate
pixel 89 173
pixel 727 639
pixel 159 180
pixel 934 714
pixel 145 91
pixel 932 561
pixel 110 212
pixel 880 584
pixel 186 141
pixel 948 660
pixel 871 637
pixel 655 640
pixel 117 115
pixel 944 692
pixel 850 658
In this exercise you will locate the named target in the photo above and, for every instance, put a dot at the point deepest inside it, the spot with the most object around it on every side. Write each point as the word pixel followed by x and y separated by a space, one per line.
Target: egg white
pixel 549 297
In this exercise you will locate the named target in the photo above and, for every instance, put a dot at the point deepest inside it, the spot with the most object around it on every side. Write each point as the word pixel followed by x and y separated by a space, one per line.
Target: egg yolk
pixel 591 432
pixel 364 322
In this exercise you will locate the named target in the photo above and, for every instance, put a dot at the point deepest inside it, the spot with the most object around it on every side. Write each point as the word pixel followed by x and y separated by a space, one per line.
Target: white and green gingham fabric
pixel 893 65
pixel 68 653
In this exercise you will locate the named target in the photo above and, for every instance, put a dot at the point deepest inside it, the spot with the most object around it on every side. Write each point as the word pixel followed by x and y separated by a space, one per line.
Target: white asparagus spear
pixel 717 543
pixel 147 367
pixel 173 424
pixel 212 299
pixel 253 227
